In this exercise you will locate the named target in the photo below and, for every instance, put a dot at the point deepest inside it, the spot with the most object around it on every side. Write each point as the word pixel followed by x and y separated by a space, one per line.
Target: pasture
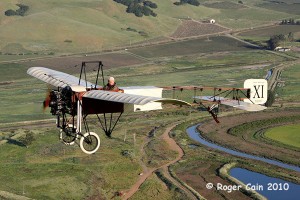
pixel 250 17
pixel 154 188
pixel 201 45
pixel 288 135
pixel 22 95
pixel 89 27
pixel 62 27
pixel 224 5
pixel 47 165
pixel 291 6
pixel 72 64
pixel 265 33
pixel 290 90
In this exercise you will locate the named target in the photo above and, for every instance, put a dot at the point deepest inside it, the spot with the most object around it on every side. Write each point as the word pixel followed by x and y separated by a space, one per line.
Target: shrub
pixel 28 139
pixel 21 11
pixel 192 2
pixel 10 12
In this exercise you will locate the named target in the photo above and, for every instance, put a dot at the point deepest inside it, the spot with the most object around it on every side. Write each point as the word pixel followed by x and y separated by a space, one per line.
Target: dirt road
pixel 149 171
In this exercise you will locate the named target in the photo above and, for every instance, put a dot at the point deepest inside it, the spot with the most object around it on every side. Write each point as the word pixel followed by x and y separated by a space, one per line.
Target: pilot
pixel 111 85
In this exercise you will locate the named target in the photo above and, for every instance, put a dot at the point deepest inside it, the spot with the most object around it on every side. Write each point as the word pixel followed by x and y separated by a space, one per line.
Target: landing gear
pixel 64 103
pixel 68 135
pixel 89 143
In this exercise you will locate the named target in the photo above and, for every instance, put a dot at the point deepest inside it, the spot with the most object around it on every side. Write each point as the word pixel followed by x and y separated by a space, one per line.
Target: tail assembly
pixel 258 93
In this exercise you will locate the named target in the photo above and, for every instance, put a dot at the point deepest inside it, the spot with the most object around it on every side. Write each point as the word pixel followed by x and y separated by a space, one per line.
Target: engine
pixel 61 102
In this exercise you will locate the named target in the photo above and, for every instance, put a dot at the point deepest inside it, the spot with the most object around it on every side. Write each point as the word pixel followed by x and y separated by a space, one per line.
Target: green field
pixel 289 135
pixel 291 89
pixel 22 95
pixel 203 45
pixel 225 5
pixel 47 165
pixel 154 188
pixel 91 25
pixel 67 27
pixel 292 6
pixel 267 32
pixel 42 169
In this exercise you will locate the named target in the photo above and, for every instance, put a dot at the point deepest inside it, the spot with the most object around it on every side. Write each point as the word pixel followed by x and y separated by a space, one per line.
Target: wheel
pixel 68 135
pixel 90 143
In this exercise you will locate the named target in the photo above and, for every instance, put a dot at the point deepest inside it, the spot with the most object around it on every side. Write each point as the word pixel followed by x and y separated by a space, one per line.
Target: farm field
pixel 288 135
pixel 238 19
pixel 110 60
pixel 290 6
pixel 290 91
pixel 191 28
pixel 203 45
pixel 224 5
pixel 22 96
pixel 266 33
pixel 61 27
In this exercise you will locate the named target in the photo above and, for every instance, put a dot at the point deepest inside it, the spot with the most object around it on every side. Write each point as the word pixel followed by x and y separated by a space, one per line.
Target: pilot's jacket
pixel 111 87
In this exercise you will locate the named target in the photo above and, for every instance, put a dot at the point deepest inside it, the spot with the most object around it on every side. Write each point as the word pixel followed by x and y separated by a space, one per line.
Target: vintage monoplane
pixel 73 99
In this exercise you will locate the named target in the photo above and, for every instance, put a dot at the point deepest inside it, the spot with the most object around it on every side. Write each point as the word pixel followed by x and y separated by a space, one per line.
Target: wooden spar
pixel 200 88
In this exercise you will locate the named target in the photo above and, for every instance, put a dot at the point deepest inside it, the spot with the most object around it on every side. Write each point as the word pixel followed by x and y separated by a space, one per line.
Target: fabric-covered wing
pixel 56 78
pixel 129 98
pixel 234 103
pixel 243 105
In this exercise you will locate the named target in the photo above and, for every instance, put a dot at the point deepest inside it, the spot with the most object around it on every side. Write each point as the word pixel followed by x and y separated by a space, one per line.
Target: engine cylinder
pixel 61 102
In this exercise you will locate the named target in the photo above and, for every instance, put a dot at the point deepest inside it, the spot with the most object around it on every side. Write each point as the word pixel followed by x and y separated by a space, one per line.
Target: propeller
pixel 46 102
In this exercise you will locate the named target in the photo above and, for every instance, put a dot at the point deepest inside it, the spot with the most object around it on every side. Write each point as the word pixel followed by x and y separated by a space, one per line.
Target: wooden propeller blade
pixel 47 100
pixel 215 117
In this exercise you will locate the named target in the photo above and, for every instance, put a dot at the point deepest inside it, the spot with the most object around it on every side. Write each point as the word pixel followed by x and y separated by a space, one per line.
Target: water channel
pixel 272 188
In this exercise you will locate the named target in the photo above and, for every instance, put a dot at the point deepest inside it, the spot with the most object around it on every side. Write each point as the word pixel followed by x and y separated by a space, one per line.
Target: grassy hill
pixel 93 25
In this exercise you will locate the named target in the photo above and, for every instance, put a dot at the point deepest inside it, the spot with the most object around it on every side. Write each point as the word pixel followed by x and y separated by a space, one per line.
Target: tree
pixel 271 98
pixel 290 37
pixel 192 2
pixel 21 11
pixel 292 21
pixel 139 7
pixel 275 41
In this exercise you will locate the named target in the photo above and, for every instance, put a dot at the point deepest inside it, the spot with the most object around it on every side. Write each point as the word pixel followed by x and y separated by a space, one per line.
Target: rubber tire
pixel 82 142
pixel 67 143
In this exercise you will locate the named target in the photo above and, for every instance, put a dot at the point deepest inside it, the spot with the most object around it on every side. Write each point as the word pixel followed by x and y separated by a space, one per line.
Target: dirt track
pixel 149 171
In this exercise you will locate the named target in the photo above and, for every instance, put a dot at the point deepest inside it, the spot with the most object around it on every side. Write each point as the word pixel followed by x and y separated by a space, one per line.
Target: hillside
pixel 61 26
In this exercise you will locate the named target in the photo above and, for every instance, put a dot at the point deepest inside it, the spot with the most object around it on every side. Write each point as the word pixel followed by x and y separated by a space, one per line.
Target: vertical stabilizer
pixel 258 90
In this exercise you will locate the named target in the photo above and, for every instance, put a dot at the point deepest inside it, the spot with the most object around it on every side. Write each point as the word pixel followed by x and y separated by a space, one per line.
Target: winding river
pixel 194 134
pixel 282 190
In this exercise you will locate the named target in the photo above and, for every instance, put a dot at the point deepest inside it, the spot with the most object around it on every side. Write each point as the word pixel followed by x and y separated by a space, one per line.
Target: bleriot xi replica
pixel 73 99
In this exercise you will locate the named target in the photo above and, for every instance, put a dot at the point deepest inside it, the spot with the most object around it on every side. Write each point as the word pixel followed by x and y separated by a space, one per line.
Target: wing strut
pixel 109 124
